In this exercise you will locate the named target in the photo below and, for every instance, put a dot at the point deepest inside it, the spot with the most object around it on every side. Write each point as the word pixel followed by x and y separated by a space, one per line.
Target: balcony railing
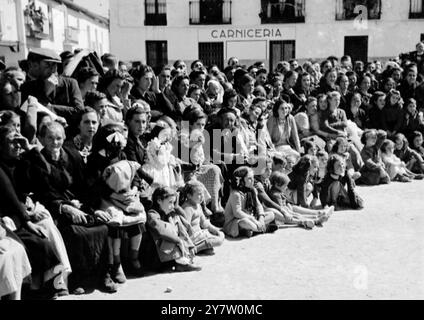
pixel 282 11
pixel 210 12
pixel 155 12
pixel 351 9
pixel 416 9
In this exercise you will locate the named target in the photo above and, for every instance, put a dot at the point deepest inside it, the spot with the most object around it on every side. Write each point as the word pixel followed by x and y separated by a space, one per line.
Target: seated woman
pixel 393 113
pixel 245 86
pixel 14 264
pixel 195 158
pixel 17 180
pixel 244 214
pixel 116 88
pixel 178 98
pixel 283 130
pixel 88 124
pixel 146 88
pixel 65 193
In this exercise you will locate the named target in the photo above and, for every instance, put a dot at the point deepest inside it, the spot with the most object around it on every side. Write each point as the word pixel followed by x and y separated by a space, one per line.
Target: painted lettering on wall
pixel 246 33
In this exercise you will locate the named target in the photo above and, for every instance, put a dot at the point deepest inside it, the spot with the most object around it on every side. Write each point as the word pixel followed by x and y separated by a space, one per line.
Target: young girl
pixel 373 172
pixel 244 214
pixel 396 168
pixel 205 236
pixel 161 165
pixel 341 147
pixel 299 216
pixel 169 230
pixel 300 186
pixel 417 143
pixel 414 161
pixel 318 178
pixel 338 188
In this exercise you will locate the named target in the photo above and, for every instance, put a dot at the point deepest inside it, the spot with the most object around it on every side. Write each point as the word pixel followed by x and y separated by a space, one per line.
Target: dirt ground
pixel 376 253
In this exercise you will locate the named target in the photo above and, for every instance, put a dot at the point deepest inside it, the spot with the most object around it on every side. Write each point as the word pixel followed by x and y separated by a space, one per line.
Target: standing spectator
pixel 59 94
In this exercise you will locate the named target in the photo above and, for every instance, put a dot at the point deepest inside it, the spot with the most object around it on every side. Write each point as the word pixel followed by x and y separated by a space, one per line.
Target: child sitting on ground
pixel 300 186
pixel 263 185
pixel 170 231
pixel 417 143
pixel 414 161
pixel 373 172
pixel 205 236
pixel 338 188
pixel 279 163
pixel 293 214
pixel 244 214
pixel 319 176
pixel 396 168
pixel 341 147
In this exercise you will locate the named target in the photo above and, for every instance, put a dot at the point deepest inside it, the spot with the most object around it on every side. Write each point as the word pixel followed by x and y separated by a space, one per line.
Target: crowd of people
pixel 121 170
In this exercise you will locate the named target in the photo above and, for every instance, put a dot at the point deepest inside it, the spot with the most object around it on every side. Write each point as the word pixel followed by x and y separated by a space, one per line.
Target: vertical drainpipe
pixel 20 27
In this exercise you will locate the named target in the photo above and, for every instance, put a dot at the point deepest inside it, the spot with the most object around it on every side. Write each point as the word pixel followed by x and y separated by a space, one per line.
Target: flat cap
pixel 44 54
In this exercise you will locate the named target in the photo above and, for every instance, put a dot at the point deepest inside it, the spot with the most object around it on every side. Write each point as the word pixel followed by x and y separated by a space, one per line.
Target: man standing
pixel 59 94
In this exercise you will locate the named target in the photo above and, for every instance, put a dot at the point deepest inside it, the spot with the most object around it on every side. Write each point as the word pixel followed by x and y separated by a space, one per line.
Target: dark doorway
pixel 212 53
pixel 281 51
pixel 156 53
pixel 211 11
pixel 357 48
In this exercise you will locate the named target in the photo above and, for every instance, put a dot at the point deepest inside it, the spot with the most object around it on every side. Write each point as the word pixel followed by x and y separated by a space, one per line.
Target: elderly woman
pixel 17 180
pixel 64 191
pixel 283 130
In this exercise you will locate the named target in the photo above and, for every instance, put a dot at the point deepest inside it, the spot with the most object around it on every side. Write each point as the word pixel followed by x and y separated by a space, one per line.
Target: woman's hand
pixel 155 85
pixel 102 216
pixel 125 90
pixel 37 230
pixel 76 215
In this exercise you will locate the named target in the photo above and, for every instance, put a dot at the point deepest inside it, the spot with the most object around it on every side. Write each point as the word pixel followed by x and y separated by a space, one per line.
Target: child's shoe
pixel 246 233
pixel 402 178
pixel 108 285
pixel 207 252
pixel 118 274
pixel 308 224
pixel 187 267
pixel 272 227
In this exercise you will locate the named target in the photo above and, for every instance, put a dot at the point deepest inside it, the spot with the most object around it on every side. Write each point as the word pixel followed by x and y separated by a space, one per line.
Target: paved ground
pixel 377 253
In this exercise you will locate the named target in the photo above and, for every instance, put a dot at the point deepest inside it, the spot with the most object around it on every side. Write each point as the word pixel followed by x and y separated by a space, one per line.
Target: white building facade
pixel 162 31
pixel 54 24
